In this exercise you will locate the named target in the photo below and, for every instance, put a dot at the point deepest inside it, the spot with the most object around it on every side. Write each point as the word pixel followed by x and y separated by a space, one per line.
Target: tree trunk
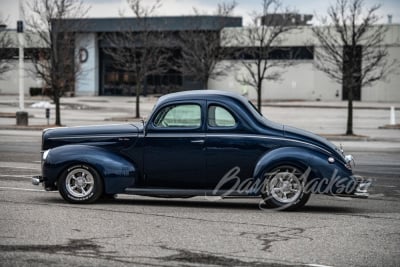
pixel 57 104
pixel 259 96
pixel 349 130
pixel 138 90
pixel 205 81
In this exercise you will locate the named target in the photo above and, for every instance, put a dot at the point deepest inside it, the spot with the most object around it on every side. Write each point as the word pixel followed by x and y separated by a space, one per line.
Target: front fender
pixel 117 172
pixel 324 177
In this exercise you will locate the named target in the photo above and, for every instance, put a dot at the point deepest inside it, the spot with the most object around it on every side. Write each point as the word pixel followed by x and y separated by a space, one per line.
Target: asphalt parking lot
pixel 39 228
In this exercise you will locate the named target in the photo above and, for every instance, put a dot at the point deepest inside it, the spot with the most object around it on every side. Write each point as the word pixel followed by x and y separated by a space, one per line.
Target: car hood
pixel 308 137
pixel 110 129
pixel 53 137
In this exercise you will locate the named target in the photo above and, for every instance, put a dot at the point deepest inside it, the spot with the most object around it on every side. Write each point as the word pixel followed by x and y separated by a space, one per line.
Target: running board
pixel 183 192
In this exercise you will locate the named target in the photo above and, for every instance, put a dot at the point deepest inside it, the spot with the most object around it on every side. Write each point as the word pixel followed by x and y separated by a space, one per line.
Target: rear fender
pixel 117 172
pixel 322 176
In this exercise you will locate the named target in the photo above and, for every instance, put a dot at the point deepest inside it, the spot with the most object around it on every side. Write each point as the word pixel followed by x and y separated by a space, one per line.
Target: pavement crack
pixel 74 247
pixel 370 217
pixel 85 248
pixel 283 235
pixel 204 258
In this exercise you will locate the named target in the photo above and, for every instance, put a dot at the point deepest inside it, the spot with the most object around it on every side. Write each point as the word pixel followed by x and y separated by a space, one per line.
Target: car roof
pixel 201 95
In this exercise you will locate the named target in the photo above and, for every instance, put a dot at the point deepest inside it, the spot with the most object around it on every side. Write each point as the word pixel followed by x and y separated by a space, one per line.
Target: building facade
pixel 99 73
pixel 303 81
pixel 299 81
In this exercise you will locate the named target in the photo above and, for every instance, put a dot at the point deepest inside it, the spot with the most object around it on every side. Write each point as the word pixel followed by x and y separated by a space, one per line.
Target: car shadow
pixel 187 203
pixel 231 204
pixel 228 204
pixel 330 209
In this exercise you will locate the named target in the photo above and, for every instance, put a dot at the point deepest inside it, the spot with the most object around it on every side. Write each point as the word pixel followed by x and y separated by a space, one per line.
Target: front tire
pixel 80 184
pixel 284 188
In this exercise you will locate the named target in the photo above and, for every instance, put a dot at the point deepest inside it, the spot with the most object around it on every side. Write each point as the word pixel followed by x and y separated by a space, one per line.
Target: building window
pixel 275 53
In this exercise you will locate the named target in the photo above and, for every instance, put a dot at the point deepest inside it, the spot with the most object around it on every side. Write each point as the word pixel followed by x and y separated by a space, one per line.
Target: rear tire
pixel 80 184
pixel 284 188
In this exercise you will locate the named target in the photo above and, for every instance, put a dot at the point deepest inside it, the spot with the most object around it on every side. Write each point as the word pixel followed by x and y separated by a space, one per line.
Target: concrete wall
pixel 387 90
pixel 9 80
pixel 87 82
pixel 298 82
pixel 303 81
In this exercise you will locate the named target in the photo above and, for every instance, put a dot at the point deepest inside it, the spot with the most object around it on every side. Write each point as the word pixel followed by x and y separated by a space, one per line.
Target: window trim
pixel 222 127
pixel 158 128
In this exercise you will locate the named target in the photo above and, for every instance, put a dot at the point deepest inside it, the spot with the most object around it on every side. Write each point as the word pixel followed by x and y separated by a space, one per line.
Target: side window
pixel 185 115
pixel 220 117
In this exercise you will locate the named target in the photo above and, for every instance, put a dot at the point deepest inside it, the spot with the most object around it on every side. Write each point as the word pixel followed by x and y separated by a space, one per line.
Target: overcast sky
pixel 110 8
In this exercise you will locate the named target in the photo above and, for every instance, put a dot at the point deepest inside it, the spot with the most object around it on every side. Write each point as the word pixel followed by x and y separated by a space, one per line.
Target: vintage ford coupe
pixel 197 143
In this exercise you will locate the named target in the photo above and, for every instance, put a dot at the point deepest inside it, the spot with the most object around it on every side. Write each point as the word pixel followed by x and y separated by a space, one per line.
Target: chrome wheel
pixel 79 183
pixel 285 184
pixel 285 188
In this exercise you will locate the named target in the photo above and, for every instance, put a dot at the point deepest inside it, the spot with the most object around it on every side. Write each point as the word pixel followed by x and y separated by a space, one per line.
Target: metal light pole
pixel 20 29
pixel 22 116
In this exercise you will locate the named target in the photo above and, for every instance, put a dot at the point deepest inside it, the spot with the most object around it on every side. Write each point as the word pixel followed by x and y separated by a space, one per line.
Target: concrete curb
pixel 392 127
pixel 11 115
pixel 341 138
pixel 97 101
pixel 332 138
pixel 324 106
pixel 27 128
pixel 345 137
pixel 92 105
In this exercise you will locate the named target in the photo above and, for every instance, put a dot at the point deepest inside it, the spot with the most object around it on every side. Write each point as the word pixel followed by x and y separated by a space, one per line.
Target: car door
pixel 174 154
pixel 230 151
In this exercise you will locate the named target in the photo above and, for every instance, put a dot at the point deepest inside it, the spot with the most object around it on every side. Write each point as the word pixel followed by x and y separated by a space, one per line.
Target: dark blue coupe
pixel 197 143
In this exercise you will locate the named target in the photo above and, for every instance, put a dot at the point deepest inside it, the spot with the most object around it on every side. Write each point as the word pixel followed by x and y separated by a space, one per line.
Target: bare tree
pixel 201 50
pixel 6 43
pixel 259 42
pixel 352 51
pixel 138 51
pixel 51 23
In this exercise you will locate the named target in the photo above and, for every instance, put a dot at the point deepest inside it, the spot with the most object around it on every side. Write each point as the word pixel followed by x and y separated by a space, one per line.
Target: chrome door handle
pixel 197 141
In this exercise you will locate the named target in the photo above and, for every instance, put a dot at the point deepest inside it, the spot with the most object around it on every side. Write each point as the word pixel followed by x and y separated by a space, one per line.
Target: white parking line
pixel 388 186
pixel 27 168
pixel 318 265
pixel 376 195
pixel 23 168
pixel 20 165
pixel 28 176
pixel 22 189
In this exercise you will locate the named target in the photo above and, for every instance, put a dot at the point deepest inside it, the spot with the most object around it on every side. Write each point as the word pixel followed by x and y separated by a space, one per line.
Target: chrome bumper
pixel 363 185
pixel 362 189
pixel 36 180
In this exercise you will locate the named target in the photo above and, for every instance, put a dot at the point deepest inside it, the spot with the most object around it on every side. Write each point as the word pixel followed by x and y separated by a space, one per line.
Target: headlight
pixel 349 161
pixel 45 154
pixel 349 158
